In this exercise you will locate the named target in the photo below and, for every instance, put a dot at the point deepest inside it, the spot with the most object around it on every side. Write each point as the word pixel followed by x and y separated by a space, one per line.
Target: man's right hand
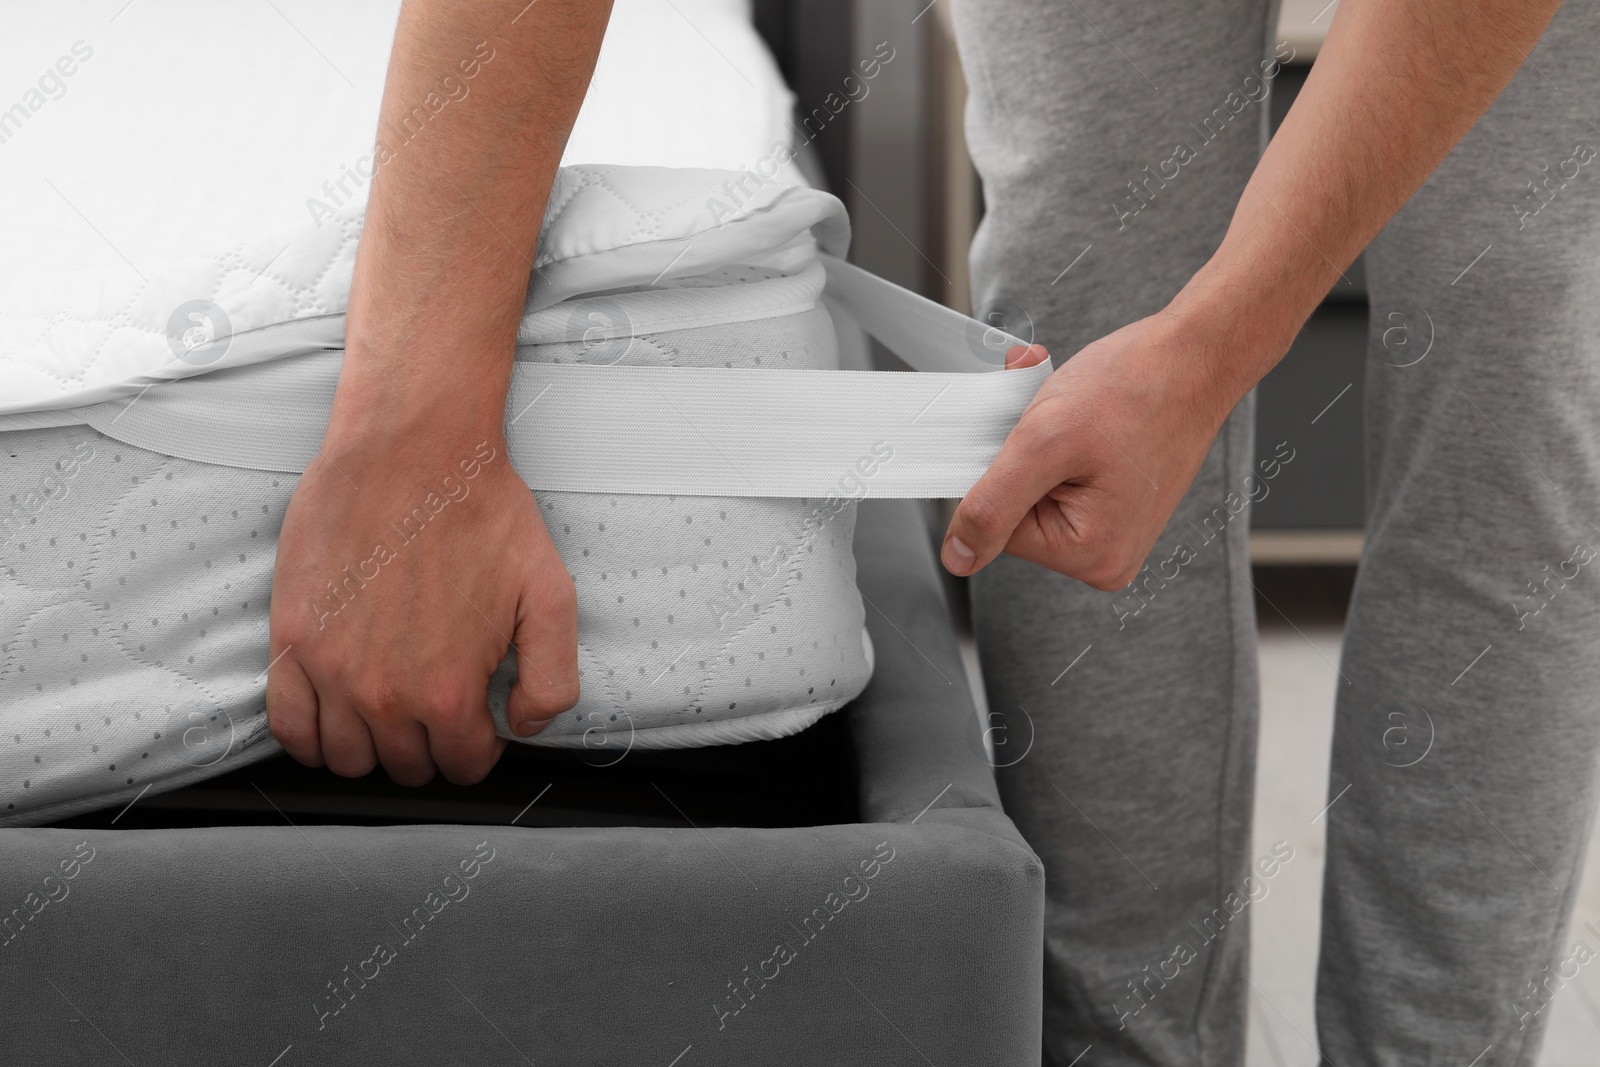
pixel 1090 475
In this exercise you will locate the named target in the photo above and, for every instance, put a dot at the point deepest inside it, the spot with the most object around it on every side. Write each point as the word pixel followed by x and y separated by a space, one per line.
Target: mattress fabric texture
pixel 129 131
pixel 134 585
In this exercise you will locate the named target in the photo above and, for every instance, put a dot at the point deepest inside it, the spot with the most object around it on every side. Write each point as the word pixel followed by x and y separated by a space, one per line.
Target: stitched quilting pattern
pixel 134 586
pixel 134 593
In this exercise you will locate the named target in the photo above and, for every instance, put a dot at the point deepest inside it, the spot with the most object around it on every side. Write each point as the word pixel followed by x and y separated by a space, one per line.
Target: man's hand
pixel 1088 478
pixel 401 580
pixel 412 554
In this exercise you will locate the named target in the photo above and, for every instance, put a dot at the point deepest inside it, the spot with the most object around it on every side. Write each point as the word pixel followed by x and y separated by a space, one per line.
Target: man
pixel 1431 930
pixel 1449 882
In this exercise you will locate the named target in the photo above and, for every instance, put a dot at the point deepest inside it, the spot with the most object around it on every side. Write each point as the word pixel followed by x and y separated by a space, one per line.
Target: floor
pixel 1297 687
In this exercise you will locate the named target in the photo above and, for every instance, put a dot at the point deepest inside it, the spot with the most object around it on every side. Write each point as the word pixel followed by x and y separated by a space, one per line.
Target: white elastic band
pixel 687 431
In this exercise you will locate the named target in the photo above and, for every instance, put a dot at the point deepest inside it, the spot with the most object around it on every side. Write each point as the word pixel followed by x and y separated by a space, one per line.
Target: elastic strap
pixel 686 431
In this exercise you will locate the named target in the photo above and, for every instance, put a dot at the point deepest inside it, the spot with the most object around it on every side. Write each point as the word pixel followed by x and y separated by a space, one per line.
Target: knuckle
pixel 443 702
pixel 296 734
pixel 1107 581
pixel 1093 564
pixel 1111 573
pixel 374 696
pixel 561 594
pixel 409 774
pixel 1045 427
pixel 548 701
pixel 1052 424
pixel 348 764
pixel 981 515
pixel 1090 536
pixel 1082 535
pixel 469 771
pixel 296 626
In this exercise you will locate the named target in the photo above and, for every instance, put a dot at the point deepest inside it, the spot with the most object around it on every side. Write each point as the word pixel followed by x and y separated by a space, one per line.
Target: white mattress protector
pixel 136 581
pixel 162 100
pixel 170 149
pixel 75 339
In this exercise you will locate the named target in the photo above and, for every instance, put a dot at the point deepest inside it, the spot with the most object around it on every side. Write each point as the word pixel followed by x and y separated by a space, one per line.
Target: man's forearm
pixel 479 101
pixel 1395 87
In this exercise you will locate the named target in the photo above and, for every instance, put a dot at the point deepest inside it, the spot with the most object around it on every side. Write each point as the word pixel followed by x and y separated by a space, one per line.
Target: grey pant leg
pixel 1474 627
pixel 1137 789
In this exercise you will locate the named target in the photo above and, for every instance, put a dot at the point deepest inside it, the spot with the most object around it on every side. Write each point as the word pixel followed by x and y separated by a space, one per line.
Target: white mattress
pixel 681 84
pixel 171 154
pixel 133 586
pixel 186 129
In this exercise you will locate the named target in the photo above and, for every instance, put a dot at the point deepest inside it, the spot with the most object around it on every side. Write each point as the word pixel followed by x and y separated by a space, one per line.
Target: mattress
pixel 135 584
pixel 156 419
pixel 158 89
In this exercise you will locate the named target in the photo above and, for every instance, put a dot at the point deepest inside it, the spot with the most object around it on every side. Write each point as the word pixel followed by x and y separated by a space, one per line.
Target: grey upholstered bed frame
pixel 910 934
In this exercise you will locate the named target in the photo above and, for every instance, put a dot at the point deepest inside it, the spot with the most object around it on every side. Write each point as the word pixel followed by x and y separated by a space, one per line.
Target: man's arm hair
pixel 480 99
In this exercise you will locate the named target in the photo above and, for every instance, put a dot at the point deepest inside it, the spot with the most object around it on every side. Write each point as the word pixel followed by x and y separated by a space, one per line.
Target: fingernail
pixel 528 727
pixel 958 558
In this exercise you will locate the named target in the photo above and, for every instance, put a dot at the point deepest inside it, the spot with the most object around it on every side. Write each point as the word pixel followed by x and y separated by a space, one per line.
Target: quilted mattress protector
pixel 676 403
pixel 134 583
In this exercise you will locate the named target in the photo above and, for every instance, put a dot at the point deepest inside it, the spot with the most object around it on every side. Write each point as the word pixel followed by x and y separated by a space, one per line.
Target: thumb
pixel 1020 476
pixel 1023 356
pixel 546 646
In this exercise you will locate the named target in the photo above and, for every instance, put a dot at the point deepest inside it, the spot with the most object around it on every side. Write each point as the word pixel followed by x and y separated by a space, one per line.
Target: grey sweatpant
pixel 1476 617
